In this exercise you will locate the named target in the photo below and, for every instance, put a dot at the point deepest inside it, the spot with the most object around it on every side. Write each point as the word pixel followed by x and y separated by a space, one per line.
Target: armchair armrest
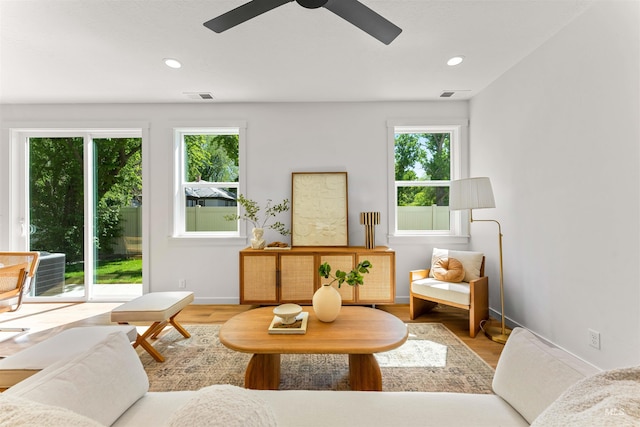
pixel 418 274
pixel 479 307
pixel 479 282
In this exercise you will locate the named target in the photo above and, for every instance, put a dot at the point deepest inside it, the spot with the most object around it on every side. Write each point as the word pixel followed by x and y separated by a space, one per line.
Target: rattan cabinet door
pixel 297 277
pixel 258 278
pixel 379 284
pixel 344 262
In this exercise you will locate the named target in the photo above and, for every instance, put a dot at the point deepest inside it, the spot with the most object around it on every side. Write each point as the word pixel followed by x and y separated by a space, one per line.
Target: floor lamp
pixel 476 193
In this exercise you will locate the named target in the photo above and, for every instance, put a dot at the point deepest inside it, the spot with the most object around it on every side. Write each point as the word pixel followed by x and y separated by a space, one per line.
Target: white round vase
pixel 327 303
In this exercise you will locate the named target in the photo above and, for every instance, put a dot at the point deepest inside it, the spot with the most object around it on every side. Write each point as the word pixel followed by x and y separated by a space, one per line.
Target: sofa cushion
pixel 607 398
pixel 471 261
pixel 458 293
pixel 100 383
pixel 17 411
pixel 448 270
pixel 65 345
pixel 531 374
pixel 225 406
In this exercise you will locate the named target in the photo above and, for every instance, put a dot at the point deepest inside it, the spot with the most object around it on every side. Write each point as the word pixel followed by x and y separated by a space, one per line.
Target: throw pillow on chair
pixel 448 270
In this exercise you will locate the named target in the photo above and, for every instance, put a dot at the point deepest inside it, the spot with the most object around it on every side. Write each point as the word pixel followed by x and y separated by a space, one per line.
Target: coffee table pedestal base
pixel 263 372
pixel 364 373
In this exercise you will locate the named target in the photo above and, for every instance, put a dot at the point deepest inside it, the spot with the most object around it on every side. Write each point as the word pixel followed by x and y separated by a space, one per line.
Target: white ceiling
pixel 77 51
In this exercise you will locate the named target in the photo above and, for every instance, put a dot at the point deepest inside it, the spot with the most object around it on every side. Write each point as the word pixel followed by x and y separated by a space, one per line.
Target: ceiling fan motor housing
pixel 312 4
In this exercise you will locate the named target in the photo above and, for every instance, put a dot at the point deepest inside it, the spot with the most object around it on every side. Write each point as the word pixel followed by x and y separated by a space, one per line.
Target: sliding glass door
pixel 84 202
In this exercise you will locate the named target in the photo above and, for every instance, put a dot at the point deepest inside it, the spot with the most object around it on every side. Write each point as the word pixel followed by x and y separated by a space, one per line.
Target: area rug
pixel 432 359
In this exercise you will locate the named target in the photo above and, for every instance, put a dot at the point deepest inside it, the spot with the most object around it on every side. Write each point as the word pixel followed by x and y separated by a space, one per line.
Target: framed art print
pixel 319 209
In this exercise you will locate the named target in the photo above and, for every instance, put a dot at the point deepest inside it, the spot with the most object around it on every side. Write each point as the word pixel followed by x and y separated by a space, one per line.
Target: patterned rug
pixel 432 359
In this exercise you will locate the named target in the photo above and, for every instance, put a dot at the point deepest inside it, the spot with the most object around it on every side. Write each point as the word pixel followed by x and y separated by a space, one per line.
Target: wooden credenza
pixel 281 276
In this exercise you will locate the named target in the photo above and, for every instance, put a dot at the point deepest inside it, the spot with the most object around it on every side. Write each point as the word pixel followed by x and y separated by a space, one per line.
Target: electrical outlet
pixel 182 283
pixel 594 339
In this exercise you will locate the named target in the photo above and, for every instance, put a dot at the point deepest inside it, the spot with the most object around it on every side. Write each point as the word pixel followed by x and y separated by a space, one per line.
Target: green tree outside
pixel 422 157
pixel 57 191
pixel 212 158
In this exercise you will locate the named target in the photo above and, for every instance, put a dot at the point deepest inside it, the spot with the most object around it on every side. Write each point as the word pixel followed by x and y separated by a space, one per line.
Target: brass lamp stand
pixel 476 193
pixel 495 333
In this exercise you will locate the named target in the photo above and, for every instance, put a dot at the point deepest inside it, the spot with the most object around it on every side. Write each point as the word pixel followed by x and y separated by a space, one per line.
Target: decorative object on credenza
pixel 327 300
pixel 277 246
pixel 319 211
pixel 252 214
pixel 476 193
pixel 370 220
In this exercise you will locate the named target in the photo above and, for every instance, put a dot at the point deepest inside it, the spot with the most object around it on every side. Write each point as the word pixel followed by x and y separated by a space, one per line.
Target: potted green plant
pixel 251 213
pixel 327 300
pixel 354 277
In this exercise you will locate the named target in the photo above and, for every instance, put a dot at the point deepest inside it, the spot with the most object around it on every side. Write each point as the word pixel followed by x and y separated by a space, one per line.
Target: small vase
pixel 327 303
pixel 257 242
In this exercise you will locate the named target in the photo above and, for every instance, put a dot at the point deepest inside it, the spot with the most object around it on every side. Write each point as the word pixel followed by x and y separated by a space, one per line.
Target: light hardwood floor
pixel 49 319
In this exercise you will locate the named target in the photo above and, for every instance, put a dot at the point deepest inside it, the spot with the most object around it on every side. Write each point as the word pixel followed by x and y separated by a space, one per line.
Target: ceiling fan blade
pixel 242 13
pixel 365 19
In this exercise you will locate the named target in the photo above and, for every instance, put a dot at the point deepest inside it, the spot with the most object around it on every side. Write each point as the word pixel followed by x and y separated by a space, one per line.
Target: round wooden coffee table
pixel 358 332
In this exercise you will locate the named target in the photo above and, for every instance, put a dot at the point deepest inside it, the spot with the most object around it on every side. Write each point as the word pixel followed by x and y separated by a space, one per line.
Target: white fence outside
pixel 423 217
pixel 211 218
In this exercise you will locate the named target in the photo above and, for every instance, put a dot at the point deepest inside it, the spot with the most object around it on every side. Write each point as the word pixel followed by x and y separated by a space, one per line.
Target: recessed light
pixel 172 63
pixel 456 60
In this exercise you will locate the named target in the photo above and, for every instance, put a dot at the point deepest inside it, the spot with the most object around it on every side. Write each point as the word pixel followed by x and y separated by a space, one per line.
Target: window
pixel 207 181
pixel 424 161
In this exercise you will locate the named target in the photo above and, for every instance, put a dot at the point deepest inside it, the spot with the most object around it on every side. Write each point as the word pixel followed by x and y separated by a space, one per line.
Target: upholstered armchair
pixel 456 279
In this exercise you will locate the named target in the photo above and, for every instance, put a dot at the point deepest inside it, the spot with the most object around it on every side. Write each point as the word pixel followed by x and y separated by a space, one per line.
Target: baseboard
pixel 216 300
pixel 509 323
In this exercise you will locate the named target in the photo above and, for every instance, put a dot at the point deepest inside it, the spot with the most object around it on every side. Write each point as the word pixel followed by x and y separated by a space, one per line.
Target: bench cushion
pixel 458 293
pixel 66 345
pixel 152 307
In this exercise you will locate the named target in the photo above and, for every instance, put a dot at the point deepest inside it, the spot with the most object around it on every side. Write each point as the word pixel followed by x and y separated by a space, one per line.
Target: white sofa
pixel 107 385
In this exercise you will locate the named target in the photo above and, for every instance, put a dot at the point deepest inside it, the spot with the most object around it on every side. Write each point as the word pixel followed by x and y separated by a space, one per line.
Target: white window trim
pixel 179 209
pixel 459 128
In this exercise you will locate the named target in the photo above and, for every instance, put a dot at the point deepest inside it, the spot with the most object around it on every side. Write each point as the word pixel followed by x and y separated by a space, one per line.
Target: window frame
pixel 20 134
pixel 179 197
pixel 459 148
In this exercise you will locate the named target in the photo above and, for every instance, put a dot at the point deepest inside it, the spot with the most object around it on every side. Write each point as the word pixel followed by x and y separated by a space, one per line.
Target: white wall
pixel 562 129
pixel 281 138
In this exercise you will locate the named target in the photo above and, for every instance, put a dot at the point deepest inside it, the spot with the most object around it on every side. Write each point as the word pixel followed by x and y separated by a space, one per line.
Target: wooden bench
pixel 161 308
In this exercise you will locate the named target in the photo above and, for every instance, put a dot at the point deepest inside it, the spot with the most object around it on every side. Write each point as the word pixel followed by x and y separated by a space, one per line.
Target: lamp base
pixel 494 333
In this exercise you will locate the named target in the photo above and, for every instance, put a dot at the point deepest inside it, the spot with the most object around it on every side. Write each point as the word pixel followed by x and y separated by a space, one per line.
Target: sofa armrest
pixel 418 274
pixel 531 374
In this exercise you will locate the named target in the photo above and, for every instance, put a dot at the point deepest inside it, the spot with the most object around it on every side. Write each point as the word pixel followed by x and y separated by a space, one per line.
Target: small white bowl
pixel 287 312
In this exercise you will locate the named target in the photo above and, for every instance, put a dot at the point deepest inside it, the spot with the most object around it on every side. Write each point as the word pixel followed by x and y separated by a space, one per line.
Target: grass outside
pixel 107 272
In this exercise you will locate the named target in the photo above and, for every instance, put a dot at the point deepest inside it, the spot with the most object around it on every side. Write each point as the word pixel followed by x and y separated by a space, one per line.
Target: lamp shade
pixel 471 193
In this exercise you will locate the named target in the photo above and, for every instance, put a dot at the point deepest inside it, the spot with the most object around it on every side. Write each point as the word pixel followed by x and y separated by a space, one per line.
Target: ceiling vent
pixel 207 96
pixel 447 94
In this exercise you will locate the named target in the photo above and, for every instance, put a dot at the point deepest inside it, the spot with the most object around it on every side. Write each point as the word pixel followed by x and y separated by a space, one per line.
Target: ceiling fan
pixel 351 10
